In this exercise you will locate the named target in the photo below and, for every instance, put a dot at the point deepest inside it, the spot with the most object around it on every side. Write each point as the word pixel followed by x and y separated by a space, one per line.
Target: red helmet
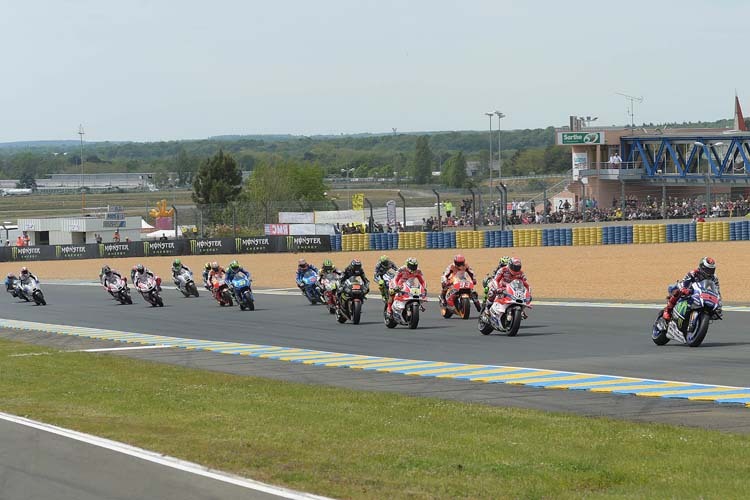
pixel 515 265
pixel 459 260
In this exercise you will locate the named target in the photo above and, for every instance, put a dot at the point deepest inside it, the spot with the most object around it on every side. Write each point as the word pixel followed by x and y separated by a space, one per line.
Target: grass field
pixel 350 444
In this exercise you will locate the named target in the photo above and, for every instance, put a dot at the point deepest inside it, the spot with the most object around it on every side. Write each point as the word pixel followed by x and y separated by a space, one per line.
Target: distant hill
pixel 38 144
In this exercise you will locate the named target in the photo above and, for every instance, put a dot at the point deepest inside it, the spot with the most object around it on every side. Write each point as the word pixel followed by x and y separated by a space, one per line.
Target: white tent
pixel 146 225
pixel 169 233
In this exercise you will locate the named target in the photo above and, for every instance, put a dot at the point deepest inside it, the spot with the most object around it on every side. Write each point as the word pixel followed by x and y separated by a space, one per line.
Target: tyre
pixel 445 312
pixel 484 326
pixel 388 319
pixel 159 301
pixel 227 298
pixel 701 329
pixel 658 335
pixel 242 306
pixel 251 305
pixel 465 307
pixel 194 289
pixel 39 298
pixel 414 319
pixel 515 323
pixel 356 312
pixel 340 317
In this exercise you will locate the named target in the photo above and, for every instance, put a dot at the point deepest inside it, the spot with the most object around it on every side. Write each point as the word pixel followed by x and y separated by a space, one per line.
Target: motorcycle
pixel 185 283
pixel 310 286
pixel 147 287
pixel 222 294
pixel 459 296
pixel 353 292
pixel 507 310
pixel 243 291
pixel 328 284
pixel 11 285
pixel 119 290
pixel 690 316
pixel 385 283
pixel 29 290
pixel 407 302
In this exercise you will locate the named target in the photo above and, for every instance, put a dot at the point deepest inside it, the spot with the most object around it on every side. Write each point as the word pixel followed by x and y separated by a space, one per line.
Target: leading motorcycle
pixel 507 310
pixel 407 302
pixel 185 283
pixel 353 293
pixel 243 291
pixel 310 286
pixel 29 290
pixel 690 317
pixel 146 285
pixel 459 297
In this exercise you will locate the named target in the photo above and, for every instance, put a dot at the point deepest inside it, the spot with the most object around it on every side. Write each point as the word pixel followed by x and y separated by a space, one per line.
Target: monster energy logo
pixel 158 248
pixel 26 253
pixel 304 243
pixel 205 246
pixel 252 244
pixel 69 252
pixel 681 309
pixel 113 249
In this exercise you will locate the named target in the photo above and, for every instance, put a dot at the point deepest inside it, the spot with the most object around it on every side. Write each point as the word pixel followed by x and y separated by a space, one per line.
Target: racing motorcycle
pixel 459 297
pixel 407 302
pixel 147 287
pixel 29 290
pixel 11 285
pixel 185 283
pixel 507 310
pixel 690 316
pixel 353 292
pixel 328 284
pixel 119 290
pixel 385 283
pixel 310 286
pixel 243 291
pixel 221 293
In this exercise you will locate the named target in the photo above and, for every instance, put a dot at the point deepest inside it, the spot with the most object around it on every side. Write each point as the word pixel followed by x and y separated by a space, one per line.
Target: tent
pixel 169 233
pixel 145 226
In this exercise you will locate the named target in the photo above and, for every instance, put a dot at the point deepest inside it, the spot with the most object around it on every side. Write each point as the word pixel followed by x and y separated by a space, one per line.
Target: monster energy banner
pixel 169 248
pixel 264 244
pixel 212 247
pixel 67 252
pixel 320 243
pixel 130 249
pixel 27 253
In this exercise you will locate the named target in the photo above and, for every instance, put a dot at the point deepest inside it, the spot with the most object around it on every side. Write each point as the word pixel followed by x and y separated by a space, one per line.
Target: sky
pixel 164 70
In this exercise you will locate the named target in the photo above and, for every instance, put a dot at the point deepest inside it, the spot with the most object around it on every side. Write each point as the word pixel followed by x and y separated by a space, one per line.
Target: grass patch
pixel 352 444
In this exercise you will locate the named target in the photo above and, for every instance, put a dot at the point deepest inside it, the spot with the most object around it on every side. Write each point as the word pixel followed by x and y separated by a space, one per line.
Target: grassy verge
pixel 353 444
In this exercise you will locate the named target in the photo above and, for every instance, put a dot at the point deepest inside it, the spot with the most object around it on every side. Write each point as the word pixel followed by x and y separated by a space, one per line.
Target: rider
pixel 406 272
pixel 302 268
pixel 109 275
pixel 353 269
pixel 139 272
pixel 24 275
pixel 509 273
pixel 381 268
pixel 206 270
pixel 10 283
pixel 458 264
pixel 504 261
pixel 216 273
pixel 328 268
pixel 177 268
pixel 706 270
pixel 233 270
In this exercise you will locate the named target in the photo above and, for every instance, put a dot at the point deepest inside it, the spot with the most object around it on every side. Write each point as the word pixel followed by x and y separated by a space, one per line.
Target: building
pixel 80 230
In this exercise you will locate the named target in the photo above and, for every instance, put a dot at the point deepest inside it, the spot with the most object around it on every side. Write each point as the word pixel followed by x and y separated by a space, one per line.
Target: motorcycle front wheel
pixel 701 329
pixel 414 317
pixel 515 322
pixel 356 311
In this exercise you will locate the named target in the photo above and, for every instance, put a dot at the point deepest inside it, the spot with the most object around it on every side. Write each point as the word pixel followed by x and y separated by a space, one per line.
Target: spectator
pixel 26 239
pixel 19 241
pixel 116 236
pixel 98 238
pixel 163 237
pixel 448 208
pixel 617 160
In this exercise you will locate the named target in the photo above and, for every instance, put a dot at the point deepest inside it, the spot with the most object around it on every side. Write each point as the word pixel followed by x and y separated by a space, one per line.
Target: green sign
pixel 572 138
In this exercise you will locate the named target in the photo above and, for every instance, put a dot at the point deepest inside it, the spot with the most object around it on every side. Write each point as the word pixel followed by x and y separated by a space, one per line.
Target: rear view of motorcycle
pixel 690 317
pixel 353 294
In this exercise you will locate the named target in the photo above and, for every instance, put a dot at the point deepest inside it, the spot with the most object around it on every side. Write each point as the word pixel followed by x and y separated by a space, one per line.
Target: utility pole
pixel 631 111
pixel 83 191
pixel 490 115
pixel 500 116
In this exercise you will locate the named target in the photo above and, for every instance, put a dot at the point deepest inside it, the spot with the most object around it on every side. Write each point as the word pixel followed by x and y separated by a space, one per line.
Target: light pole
pixel 83 192
pixel 490 163
pixel 708 170
pixel 500 116
pixel 347 172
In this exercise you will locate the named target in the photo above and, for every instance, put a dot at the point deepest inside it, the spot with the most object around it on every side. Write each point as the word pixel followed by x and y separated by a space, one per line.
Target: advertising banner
pixel 319 243
pixel 212 246
pixel 579 138
pixel 31 253
pixel 69 252
pixel 152 248
pixel 262 244
pixel 296 217
pixel 276 229
pixel 131 249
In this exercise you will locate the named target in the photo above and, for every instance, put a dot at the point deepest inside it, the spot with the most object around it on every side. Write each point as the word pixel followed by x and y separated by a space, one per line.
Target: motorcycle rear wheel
pixel 659 336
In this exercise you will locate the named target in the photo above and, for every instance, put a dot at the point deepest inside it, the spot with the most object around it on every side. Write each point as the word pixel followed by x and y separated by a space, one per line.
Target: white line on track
pixel 109 349
pixel 165 460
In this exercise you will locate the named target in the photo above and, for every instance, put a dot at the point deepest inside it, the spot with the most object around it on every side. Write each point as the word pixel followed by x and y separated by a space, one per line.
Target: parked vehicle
pixel 690 317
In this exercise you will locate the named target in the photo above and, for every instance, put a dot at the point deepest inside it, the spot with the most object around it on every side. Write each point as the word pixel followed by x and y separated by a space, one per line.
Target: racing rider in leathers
pixel 507 274
pixel 706 270
pixel 109 275
pixel 381 268
pixel 328 271
pixel 206 270
pixel 139 273
pixel 458 264
pixel 353 269
pixel 302 268
pixel 177 268
pixel 504 261
pixel 406 272
pixel 233 270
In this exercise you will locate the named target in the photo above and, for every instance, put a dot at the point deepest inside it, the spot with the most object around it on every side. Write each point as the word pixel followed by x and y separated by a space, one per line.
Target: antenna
pixel 631 102
pixel 394 130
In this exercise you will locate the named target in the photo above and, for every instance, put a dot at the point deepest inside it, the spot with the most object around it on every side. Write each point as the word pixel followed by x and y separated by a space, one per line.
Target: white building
pixel 79 230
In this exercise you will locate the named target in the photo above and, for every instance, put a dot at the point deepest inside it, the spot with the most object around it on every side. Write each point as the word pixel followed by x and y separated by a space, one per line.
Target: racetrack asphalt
pixel 606 341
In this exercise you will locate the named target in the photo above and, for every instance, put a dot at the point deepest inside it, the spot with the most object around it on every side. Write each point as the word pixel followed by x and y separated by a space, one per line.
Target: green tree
pixel 458 173
pixel 185 166
pixel 26 181
pixel 423 161
pixel 285 180
pixel 219 180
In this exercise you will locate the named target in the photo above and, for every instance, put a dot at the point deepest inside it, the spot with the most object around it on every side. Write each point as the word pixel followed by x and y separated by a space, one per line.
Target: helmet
pixel 383 259
pixel 515 264
pixel 208 265
pixel 412 264
pixel 177 263
pixel 707 266
pixel 356 265
pixel 106 270
pixel 24 270
pixel 328 264
pixel 139 268
pixel 459 260
pixel 215 266
pixel 302 264
pixel 11 275
pixel 234 265
pixel 504 261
